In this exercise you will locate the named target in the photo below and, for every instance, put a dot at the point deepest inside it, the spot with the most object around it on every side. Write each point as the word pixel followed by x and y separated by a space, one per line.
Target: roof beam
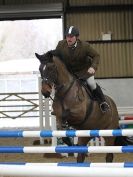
pixel 98 8
pixel 31 11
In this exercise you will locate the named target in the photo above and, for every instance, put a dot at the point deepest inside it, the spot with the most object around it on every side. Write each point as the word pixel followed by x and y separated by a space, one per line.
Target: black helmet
pixel 72 31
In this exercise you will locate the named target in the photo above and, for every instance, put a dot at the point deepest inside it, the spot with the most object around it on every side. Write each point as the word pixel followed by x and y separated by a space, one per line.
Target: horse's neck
pixel 64 76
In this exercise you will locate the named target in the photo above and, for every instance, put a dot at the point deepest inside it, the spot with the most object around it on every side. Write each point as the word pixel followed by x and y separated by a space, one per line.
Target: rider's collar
pixel 74 46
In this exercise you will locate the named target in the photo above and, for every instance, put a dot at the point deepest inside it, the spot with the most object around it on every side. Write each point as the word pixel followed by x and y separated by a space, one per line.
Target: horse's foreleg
pixel 82 142
pixel 80 158
pixel 109 142
pixel 109 157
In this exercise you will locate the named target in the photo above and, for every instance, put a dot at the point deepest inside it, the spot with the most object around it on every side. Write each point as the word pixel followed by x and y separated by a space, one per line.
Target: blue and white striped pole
pixel 66 149
pixel 67 133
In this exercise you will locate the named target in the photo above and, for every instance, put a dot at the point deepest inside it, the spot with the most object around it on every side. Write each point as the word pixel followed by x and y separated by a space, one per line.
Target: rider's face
pixel 71 40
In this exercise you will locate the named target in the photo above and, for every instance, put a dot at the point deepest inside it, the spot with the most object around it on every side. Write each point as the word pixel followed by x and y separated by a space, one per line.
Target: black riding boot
pixel 98 94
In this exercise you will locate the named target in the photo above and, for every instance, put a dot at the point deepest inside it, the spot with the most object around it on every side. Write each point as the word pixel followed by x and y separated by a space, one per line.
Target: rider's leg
pixel 98 94
pixel 91 82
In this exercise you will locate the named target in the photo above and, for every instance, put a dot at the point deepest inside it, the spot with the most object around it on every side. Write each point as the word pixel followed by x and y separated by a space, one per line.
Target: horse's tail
pixel 122 141
pixel 68 141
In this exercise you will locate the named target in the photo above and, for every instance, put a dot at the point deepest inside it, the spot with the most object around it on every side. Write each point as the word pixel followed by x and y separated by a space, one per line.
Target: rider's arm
pixel 94 55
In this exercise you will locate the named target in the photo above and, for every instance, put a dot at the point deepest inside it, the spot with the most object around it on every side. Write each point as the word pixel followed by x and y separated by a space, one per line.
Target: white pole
pixel 54 127
pixel 47 117
pixel 40 108
pixel 41 171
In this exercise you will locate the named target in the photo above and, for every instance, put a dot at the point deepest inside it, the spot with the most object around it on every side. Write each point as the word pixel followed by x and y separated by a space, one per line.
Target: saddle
pixel 87 88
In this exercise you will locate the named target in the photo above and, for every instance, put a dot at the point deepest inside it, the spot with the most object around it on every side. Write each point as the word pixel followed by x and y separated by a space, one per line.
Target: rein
pixel 67 90
pixel 51 98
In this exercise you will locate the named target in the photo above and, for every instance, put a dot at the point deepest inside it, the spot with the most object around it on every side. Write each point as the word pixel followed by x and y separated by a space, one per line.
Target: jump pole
pixel 125 121
pixel 66 149
pixel 65 133
pixel 40 171
pixel 75 164
pixel 40 109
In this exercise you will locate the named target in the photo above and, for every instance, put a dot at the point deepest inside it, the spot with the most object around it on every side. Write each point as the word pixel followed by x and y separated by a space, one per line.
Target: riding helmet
pixel 72 31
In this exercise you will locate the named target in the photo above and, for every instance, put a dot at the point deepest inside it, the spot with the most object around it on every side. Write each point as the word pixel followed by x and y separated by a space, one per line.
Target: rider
pixel 82 60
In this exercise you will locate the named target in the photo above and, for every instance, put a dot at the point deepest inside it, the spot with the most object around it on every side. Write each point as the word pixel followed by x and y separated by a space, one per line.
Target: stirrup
pixel 104 106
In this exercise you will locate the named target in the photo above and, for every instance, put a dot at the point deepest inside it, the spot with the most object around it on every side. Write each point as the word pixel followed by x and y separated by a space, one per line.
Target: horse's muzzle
pixel 46 94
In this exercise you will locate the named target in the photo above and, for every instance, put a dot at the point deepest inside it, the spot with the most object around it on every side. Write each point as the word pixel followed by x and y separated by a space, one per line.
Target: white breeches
pixel 91 82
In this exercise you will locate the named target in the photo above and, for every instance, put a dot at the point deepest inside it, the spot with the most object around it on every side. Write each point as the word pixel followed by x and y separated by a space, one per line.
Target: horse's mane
pixel 54 56
pixel 61 67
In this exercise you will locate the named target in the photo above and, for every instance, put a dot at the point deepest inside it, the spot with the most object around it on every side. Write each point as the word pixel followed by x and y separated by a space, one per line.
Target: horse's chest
pixel 73 100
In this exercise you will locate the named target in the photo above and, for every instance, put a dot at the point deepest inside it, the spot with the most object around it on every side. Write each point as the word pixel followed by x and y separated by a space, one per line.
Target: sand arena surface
pixel 38 158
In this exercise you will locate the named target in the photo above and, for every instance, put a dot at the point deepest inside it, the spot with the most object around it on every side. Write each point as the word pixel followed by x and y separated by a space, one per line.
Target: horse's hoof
pixel 36 142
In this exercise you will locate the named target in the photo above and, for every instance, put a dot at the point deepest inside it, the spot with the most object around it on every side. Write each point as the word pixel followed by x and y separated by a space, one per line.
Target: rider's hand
pixel 91 70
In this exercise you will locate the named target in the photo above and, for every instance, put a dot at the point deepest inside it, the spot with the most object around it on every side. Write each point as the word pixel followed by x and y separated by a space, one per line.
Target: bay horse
pixel 73 103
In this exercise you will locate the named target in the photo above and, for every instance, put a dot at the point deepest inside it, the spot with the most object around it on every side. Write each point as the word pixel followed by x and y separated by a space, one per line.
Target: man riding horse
pixel 72 104
pixel 82 61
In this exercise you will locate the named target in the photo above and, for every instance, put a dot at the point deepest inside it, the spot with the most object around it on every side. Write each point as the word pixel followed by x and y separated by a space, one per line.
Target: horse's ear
pixel 50 54
pixel 39 57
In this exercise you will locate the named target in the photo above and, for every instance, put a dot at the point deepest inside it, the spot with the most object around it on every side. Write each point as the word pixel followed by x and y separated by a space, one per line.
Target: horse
pixel 73 104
